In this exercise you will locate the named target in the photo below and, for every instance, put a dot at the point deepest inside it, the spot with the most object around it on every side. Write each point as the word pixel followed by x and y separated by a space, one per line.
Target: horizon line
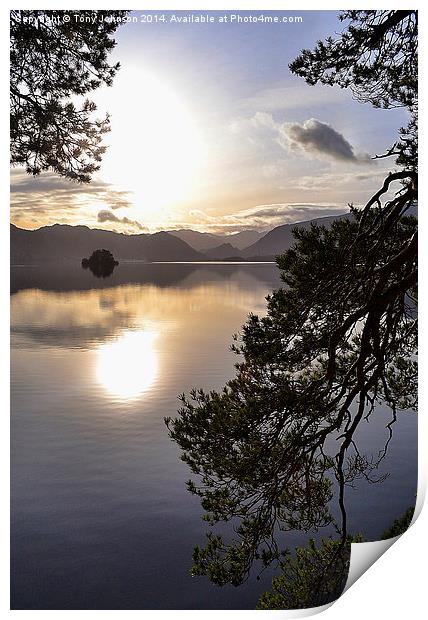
pixel 181 228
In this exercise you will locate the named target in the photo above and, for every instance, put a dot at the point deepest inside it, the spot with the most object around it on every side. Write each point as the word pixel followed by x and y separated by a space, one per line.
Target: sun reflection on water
pixel 127 367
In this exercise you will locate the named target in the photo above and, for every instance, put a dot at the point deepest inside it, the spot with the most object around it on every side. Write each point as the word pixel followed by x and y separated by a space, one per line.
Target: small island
pixel 101 263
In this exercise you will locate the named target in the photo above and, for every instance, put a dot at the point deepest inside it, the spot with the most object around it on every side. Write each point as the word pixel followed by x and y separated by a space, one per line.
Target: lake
pixel 101 518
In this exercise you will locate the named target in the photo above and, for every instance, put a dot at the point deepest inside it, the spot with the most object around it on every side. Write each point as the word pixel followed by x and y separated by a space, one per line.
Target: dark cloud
pixel 322 139
pixel 108 216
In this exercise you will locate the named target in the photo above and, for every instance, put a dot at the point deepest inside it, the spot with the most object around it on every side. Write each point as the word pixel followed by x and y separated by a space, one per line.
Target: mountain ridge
pixel 281 238
pixel 63 241
pixel 223 251
pixel 202 241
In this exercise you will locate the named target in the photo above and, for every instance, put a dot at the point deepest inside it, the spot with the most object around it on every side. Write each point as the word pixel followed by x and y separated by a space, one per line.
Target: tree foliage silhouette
pixel 316 574
pixel 337 340
pixel 54 61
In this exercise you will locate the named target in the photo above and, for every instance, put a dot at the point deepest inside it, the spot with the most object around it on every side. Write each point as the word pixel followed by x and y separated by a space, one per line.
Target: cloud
pixel 260 119
pixel 34 199
pixel 49 185
pixel 263 217
pixel 108 216
pixel 312 137
pixel 319 138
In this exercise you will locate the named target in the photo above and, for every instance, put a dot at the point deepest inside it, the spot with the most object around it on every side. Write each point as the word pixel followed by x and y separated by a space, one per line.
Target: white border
pixel 395 586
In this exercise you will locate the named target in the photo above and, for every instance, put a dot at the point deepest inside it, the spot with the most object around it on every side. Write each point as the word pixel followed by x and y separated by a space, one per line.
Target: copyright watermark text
pixel 80 17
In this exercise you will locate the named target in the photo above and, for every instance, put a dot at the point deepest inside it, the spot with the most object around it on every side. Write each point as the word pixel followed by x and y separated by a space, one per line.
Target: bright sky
pixel 211 131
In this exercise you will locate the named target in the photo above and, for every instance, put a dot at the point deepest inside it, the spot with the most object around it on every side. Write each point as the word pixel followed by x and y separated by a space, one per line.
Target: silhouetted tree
pixel 400 525
pixel 337 340
pixel 56 56
pixel 317 574
pixel 314 576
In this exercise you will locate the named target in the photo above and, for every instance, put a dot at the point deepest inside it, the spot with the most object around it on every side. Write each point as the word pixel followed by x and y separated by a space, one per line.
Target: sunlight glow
pixel 155 148
pixel 127 367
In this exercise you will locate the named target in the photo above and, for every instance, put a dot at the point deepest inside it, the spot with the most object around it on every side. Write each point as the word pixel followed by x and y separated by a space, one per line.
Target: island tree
pixel 273 448
pixel 101 263
pixel 56 59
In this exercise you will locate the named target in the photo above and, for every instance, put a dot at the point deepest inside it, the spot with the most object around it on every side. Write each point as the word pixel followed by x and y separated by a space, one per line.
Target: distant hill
pixel 266 247
pixel 223 251
pixel 281 238
pixel 75 242
pixel 197 240
pixel 206 241
pixel 244 238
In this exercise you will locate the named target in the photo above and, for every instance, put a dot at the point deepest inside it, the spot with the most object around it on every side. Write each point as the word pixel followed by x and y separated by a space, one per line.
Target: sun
pixel 155 149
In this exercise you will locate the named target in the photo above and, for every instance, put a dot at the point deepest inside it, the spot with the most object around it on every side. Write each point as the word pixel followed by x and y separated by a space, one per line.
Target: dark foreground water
pixel 101 518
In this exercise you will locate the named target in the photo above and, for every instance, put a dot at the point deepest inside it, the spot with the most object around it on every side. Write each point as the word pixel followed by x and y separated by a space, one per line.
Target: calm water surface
pixel 101 518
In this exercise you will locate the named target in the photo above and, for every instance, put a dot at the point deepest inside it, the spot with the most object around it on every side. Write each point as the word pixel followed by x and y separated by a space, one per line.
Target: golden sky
pixel 211 131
